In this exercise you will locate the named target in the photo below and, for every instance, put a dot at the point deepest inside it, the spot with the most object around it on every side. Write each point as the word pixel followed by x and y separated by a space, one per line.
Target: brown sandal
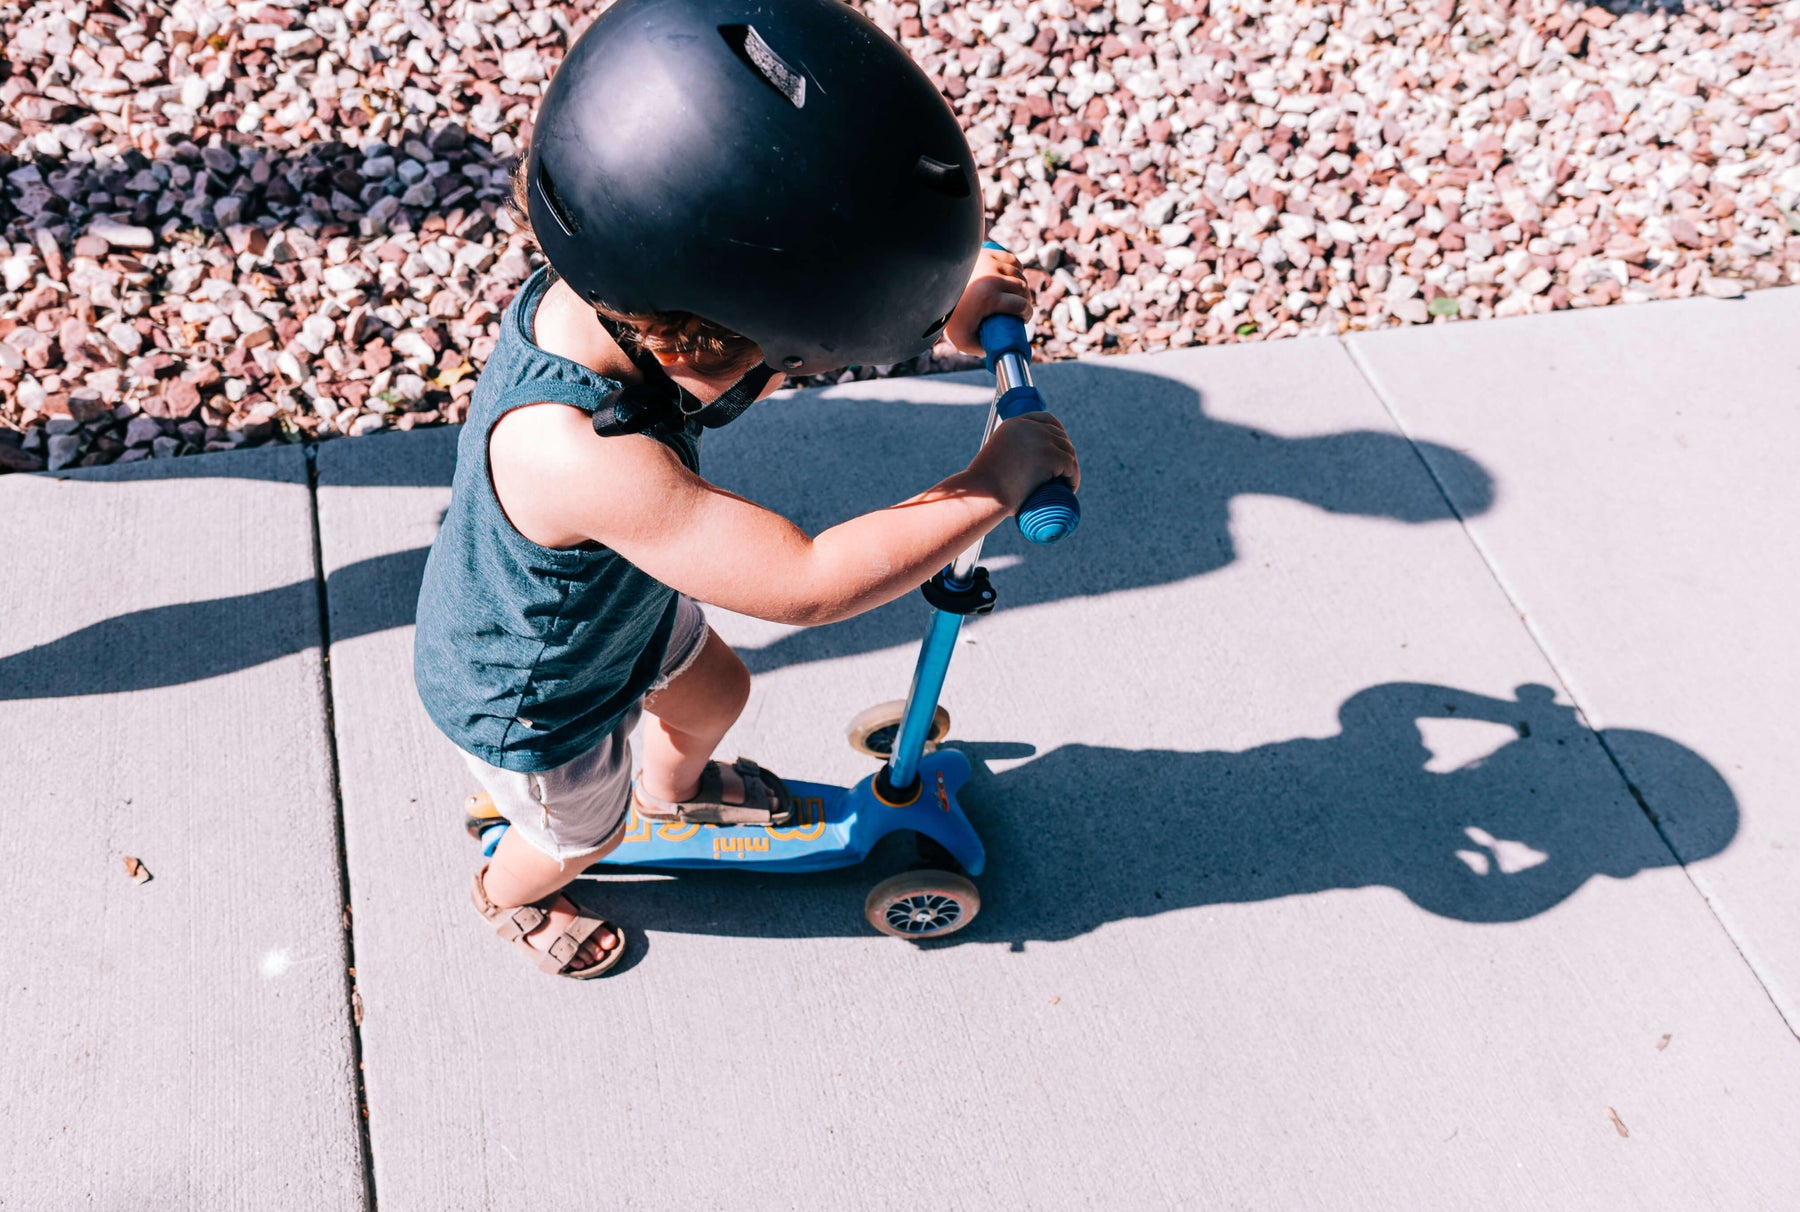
pixel 708 805
pixel 515 923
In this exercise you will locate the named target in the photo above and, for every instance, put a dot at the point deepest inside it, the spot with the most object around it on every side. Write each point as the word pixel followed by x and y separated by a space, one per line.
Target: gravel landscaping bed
pixel 226 224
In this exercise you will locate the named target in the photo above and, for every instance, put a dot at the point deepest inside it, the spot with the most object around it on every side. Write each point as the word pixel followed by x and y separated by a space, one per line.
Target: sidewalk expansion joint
pixel 352 998
pixel 1562 676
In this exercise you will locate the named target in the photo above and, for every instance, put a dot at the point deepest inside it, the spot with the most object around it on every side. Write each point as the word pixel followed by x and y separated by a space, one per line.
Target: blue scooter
pixel 917 788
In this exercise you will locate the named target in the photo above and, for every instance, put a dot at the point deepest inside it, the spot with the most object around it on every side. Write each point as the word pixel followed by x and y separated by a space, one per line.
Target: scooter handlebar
pixel 1051 512
pixel 1002 335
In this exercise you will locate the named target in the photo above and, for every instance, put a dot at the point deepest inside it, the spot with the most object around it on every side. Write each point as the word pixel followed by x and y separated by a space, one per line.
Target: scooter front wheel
pixel 875 730
pixel 922 904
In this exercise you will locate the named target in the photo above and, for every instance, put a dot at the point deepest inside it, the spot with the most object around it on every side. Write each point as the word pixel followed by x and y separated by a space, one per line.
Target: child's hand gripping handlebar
pixel 1051 512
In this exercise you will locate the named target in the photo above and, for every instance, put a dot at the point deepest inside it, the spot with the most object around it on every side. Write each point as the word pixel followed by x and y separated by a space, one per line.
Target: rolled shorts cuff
pixel 686 639
pixel 541 841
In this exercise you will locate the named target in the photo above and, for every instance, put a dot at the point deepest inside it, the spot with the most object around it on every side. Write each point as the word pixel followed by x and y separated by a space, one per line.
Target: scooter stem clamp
pixel 973 596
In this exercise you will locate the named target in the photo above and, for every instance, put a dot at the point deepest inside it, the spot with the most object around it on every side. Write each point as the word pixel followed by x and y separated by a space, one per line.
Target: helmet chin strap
pixel 660 401
pixel 729 405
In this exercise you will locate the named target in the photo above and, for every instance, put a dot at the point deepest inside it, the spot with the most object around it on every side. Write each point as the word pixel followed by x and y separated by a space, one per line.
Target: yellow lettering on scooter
pixel 807 823
pixel 637 829
pixel 738 847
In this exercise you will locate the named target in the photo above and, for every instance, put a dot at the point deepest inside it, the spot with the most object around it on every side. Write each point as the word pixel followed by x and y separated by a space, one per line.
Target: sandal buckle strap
pixel 526 918
pixel 759 788
pixel 725 814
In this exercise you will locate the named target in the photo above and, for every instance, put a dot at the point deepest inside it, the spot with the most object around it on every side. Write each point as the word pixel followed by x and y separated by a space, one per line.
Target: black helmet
pixel 779 167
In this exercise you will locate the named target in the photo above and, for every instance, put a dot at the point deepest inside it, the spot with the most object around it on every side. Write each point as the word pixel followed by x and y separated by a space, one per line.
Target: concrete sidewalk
pixel 1386 798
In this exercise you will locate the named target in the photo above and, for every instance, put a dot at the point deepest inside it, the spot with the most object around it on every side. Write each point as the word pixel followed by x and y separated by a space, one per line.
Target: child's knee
pixel 709 694
pixel 733 690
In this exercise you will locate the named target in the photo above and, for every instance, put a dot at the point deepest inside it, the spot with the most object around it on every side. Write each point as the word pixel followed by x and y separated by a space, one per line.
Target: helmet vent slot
pixel 553 200
pixel 749 46
pixel 944 178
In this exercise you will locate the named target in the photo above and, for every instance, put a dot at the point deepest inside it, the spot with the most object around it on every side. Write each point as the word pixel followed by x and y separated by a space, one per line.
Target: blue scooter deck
pixel 832 827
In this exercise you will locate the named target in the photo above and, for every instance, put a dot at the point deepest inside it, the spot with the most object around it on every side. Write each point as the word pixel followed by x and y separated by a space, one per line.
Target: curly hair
pixel 712 349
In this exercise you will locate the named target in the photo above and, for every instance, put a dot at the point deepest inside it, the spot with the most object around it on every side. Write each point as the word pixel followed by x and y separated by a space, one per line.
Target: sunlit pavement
pixel 1387 798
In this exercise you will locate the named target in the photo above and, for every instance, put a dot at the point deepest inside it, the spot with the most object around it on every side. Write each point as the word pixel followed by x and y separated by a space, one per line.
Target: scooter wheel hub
pixel 922 904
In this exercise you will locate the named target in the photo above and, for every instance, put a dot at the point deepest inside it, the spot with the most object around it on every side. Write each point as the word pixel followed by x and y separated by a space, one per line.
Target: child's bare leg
pixel 685 720
pixel 683 724
pixel 520 873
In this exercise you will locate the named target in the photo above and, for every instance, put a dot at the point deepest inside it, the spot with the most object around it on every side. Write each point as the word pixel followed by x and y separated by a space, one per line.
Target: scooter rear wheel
pixel 875 730
pixel 922 904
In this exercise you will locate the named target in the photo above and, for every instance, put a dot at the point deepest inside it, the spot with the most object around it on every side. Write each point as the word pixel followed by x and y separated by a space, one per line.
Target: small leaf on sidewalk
pixel 1663 1043
pixel 1055 1001
pixel 134 868
pixel 1617 1122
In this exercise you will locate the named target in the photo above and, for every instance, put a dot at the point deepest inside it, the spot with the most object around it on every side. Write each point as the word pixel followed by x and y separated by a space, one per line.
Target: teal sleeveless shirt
pixel 527 656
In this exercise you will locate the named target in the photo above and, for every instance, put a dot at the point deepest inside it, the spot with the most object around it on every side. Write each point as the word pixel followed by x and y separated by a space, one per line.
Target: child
pixel 725 190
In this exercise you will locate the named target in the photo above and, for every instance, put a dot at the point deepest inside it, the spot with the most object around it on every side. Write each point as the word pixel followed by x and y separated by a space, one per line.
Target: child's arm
pixel 634 496
pixel 560 485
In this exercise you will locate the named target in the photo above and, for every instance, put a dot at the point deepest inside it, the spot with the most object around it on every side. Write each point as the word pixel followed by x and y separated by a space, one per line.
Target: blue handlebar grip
pixel 1004 335
pixel 1050 513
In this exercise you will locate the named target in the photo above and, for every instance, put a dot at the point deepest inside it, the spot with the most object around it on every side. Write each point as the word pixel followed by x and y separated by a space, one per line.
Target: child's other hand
pixel 996 287
pixel 1023 453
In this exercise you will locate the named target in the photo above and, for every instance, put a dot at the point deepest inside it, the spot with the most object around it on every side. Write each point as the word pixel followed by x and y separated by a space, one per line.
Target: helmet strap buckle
pixel 639 408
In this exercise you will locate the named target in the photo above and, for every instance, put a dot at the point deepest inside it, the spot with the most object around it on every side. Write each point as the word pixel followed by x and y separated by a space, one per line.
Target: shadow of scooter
pixel 1084 835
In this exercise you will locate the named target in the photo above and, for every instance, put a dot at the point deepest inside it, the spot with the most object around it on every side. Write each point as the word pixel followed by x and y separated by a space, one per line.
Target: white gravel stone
pixel 296 42
pixel 16 271
pixel 125 337
pixel 522 66
pixel 122 235
pixel 1536 281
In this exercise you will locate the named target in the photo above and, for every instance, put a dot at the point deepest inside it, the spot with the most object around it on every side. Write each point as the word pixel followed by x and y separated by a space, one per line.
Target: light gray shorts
pixel 575 809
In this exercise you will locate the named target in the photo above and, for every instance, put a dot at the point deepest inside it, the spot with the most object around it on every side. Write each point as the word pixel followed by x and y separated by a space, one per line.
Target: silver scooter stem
pixel 1010 371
